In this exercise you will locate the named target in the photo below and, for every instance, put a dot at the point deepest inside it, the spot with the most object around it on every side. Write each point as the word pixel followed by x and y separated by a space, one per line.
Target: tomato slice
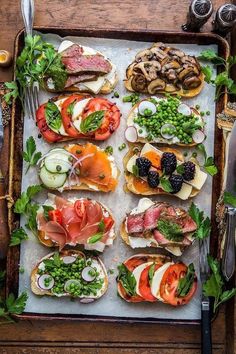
pixel 67 118
pixel 49 135
pixel 134 298
pixel 134 262
pixel 169 284
pixel 55 215
pixel 144 283
pixel 80 206
pixel 108 221
pixel 111 118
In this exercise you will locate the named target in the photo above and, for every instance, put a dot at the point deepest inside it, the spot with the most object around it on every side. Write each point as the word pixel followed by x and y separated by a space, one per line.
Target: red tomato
pixel 49 135
pixel 111 118
pixel 134 298
pixel 108 221
pixel 55 215
pixel 80 206
pixel 144 283
pixel 134 262
pixel 169 284
pixel 66 116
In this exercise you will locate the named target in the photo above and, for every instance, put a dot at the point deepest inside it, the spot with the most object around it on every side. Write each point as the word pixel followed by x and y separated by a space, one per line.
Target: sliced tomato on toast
pixel 144 283
pixel 170 282
pixel 49 135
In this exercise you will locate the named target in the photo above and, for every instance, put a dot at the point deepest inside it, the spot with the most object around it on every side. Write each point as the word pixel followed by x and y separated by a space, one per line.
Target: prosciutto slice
pixel 56 233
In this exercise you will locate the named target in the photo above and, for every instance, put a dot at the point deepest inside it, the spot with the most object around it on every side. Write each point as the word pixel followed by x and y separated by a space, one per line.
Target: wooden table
pixel 87 338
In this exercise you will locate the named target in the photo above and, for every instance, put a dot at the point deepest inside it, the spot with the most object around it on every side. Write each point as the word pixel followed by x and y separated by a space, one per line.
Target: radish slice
pixel 68 259
pixel 184 109
pixel 88 274
pixel 87 300
pixel 46 282
pixel 69 282
pixel 131 134
pixel 167 135
pixel 147 105
pixel 198 136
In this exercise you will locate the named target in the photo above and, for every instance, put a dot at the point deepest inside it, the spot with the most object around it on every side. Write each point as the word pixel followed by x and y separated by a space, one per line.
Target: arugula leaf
pixel 46 209
pixel 165 184
pixel 16 305
pixel 208 73
pixel 186 283
pixel 203 224
pixel 127 280
pixel 92 122
pixel 230 199
pixel 211 55
pixel 30 155
pixel 209 164
pixel 95 238
pixel 14 92
pixel 101 226
pixel 213 287
pixel 53 116
pixel 17 236
pixel 151 273
pixel 170 230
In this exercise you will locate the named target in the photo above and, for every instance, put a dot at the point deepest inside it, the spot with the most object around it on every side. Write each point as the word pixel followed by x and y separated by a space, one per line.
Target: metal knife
pixel 228 259
pixel 4 231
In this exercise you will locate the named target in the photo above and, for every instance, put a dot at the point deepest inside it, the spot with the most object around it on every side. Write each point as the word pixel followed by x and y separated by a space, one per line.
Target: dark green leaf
pixel 70 108
pixel 46 209
pixel 31 214
pixel 203 224
pixel 30 146
pixel 165 185
pixel 33 190
pixel 127 280
pixel 56 259
pixel 14 92
pixel 53 116
pixel 21 203
pixel 92 122
pixel 227 294
pixel 16 305
pixel 95 238
pixel 151 273
pixel 230 199
pixel 208 72
pixel 30 155
pixel 135 170
pixel 35 158
pixel 18 236
pixel 211 55
pixel 180 169
pixel 223 79
pixel 186 283
pixel 170 230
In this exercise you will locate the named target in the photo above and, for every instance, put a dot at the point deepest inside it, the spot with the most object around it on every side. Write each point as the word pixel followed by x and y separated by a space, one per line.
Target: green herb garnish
pixel 101 226
pixel 203 224
pixel 209 164
pixel 109 150
pixel 31 156
pixel 127 280
pixel 230 199
pixel 151 273
pixel 53 116
pixel 12 306
pixel 170 230
pixel 135 170
pixel 70 108
pixel 95 238
pixel 165 184
pixel 46 209
pixel 92 122
pixel 186 283
pixel 17 236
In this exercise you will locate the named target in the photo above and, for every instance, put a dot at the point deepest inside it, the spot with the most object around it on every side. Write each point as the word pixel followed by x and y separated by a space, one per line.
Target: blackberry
pixel 168 162
pixel 176 182
pixel 189 170
pixel 143 165
pixel 153 179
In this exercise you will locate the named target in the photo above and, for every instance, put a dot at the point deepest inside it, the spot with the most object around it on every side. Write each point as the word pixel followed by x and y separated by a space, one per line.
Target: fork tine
pixel 28 104
pixel 31 102
pixel 35 95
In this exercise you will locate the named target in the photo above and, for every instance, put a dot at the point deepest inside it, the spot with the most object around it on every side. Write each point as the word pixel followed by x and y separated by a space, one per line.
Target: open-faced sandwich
pixel 77 116
pixel 72 222
pixel 85 70
pixel 158 224
pixel 70 273
pixel 165 120
pixel 162 69
pixel 77 167
pixel 153 277
pixel 150 171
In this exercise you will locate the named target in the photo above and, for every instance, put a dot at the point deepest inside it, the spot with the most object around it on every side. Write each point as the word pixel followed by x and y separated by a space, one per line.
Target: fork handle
pixel 228 259
pixel 4 231
pixel 206 329
pixel 27 9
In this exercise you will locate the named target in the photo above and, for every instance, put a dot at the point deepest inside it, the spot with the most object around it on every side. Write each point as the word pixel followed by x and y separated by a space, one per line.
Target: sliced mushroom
pixel 191 82
pixel 129 70
pixel 144 55
pixel 159 45
pixel 176 52
pixel 171 88
pixel 139 83
pixel 149 69
pixel 158 53
pixel 156 85
pixel 171 65
pixel 171 75
pixel 185 73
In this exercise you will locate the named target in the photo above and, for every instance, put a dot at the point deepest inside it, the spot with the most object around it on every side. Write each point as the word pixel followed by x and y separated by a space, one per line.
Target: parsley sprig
pixel 31 156
pixel 230 199
pixel 209 165
pixel 214 286
pixel 203 223
pixel 223 79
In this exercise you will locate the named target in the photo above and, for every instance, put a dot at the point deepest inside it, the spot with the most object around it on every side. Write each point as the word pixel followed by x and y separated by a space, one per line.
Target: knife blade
pixel 228 259
pixel 4 231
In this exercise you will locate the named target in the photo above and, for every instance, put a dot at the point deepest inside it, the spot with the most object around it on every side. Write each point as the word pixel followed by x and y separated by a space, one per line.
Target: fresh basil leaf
pixel 135 170
pixel 92 122
pixel 151 273
pixel 17 236
pixel 70 108
pixel 46 209
pixel 165 185
pixel 170 230
pixel 180 169
pixel 127 280
pixel 95 238
pixel 230 199
pixel 186 283
pixel 53 116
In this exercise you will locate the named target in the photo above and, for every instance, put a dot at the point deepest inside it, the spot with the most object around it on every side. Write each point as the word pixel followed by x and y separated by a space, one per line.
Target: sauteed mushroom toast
pixel 70 273
pixel 152 171
pixel 162 69
pixel 165 120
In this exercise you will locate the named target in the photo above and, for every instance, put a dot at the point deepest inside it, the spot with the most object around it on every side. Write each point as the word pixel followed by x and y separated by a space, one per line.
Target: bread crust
pixel 37 291
pixel 129 178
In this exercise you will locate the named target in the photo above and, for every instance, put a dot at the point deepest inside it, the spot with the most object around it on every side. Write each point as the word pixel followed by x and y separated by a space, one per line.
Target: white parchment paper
pixel 121 53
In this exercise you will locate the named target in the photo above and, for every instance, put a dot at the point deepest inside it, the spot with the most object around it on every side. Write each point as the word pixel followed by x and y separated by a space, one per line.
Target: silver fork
pixel 32 90
pixel 205 302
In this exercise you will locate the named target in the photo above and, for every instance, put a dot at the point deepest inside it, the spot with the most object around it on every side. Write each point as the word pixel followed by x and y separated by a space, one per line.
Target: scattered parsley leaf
pixel 230 199
pixel 127 280
pixel 17 236
pixel 21 203
pixel 33 190
pixel 208 73
pixel 214 286
pixel 203 224
pixel 209 164
pixel 14 92
pixel 16 305
pixel 211 55
pixel 30 155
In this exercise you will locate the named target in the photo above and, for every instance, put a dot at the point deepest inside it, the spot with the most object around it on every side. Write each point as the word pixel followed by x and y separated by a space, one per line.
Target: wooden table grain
pixel 100 338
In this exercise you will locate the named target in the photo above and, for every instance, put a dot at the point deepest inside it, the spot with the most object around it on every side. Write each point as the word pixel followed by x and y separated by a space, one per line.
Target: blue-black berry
pixel 153 179
pixel 143 165
pixel 168 162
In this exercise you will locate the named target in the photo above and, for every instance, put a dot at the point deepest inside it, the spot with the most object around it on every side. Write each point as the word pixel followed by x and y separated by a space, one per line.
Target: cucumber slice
pixel 59 154
pixel 56 165
pixel 52 180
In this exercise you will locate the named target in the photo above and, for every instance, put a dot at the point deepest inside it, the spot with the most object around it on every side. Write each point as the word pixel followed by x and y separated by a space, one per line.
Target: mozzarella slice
pixel 61 130
pixel 141 242
pixel 185 191
pixel 78 108
pixel 148 147
pixel 131 163
pixel 137 273
pixel 157 278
